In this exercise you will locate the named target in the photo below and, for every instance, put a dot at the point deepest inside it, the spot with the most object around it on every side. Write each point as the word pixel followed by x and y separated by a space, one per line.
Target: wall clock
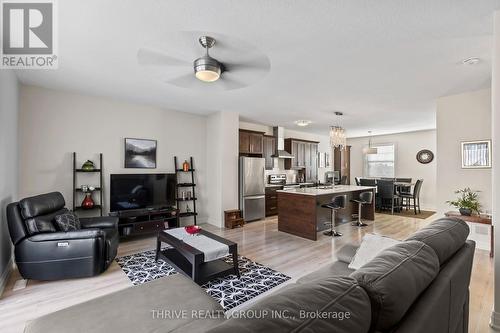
pixel 425 156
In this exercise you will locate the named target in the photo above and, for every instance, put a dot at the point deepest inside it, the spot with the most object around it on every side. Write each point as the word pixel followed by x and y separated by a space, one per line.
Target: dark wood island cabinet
pixel 300 212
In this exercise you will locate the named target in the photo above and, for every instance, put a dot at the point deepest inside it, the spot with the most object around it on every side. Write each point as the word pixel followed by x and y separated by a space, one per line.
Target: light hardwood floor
pixel 259 241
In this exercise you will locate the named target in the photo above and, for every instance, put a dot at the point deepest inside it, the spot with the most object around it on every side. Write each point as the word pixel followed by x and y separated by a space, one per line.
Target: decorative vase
pixel 88 202
pixel 465 211
pixel 185 166
pixel 88 165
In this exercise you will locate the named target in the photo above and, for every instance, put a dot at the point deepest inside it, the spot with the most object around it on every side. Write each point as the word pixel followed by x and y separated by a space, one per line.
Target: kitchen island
pixel 300 212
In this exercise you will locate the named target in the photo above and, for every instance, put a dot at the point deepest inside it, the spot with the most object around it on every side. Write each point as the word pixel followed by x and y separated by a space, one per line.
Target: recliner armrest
pixel 77 234
pixel 99 222
pixel 346 253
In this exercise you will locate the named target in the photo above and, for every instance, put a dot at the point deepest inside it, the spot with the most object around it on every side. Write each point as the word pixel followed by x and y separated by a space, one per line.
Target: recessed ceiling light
pixel 471 61
pixel 302 123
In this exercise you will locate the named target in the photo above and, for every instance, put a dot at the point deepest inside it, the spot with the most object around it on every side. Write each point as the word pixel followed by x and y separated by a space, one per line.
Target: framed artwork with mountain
pixel 140 153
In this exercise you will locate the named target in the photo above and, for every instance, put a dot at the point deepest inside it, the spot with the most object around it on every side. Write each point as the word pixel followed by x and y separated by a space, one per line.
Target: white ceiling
pixel 383 63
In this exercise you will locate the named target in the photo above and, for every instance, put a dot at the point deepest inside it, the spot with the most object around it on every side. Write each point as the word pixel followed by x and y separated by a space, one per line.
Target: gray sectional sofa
pixel 419 285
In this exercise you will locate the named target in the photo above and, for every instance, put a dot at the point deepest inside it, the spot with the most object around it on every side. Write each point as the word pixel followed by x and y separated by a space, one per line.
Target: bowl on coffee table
pixel 192 229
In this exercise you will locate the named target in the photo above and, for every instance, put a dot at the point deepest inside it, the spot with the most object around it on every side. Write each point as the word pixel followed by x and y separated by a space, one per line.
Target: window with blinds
pixel 380 164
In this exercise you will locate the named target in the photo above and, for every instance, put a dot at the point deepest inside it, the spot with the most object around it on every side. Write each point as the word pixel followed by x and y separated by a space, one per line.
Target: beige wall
pixel 222 157
pixel 406 165
pixel 53 124
pixel 9 107
pixel 463 117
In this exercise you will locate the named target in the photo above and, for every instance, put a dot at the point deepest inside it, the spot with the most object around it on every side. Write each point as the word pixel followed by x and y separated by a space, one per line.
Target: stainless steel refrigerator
pixel 252 188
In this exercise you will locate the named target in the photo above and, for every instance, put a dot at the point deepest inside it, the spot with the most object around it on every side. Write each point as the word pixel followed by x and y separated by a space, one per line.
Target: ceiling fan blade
pixel 157 58
pixel 260 63
pixel 230 83
pixel 186 80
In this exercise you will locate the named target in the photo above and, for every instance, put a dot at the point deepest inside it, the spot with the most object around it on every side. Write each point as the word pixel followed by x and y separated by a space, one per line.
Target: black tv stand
pixel 147 220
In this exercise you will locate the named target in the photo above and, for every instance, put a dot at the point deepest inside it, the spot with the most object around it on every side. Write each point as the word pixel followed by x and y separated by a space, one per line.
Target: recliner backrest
pixel 34 215
pixel 41 204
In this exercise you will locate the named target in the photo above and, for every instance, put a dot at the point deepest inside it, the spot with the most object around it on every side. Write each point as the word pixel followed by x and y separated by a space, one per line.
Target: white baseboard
pixel 5 275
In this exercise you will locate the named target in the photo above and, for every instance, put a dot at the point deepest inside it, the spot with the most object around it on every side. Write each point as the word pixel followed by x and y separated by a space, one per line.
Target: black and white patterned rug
pixel 229 291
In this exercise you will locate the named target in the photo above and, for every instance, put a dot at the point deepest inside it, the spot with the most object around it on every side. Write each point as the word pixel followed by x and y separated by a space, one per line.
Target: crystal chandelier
pixel 337 135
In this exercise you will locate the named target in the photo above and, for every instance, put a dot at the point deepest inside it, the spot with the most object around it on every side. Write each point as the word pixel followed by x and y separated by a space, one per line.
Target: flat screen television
pixel 140 191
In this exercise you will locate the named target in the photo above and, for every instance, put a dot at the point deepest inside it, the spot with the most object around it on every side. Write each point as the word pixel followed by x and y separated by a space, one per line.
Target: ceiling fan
pixel 207 71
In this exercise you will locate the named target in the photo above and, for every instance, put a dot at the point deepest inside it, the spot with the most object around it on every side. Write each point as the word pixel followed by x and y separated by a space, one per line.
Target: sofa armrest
pixel 347 252
pixel 70 235
pixel 99 222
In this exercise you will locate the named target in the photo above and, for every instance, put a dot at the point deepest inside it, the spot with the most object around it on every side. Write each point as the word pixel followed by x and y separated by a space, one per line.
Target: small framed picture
pixel 140 153
pixel 476 154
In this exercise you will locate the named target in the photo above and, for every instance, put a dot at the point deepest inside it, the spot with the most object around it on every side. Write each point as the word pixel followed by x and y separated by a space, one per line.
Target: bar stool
pixel 337 202
pixel 365 198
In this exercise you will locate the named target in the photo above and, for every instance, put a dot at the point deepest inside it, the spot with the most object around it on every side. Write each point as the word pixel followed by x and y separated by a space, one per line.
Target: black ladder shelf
pixel 181 185
pixel 77 189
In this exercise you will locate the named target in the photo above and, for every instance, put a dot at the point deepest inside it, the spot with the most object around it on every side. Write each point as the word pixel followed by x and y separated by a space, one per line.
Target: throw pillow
pixel 370 247
pixel 68 222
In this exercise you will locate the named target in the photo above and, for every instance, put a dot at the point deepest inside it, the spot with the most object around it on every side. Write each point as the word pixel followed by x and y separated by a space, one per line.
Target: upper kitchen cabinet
pixel 269 151
pixel 251 142
pixel 305 156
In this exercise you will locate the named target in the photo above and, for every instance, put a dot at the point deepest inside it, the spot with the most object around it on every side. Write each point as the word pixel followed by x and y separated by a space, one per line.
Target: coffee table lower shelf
pixel 190 262
pixel 206 271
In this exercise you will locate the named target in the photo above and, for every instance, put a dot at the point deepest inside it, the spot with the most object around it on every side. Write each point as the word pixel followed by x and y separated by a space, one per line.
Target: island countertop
pixel 327 190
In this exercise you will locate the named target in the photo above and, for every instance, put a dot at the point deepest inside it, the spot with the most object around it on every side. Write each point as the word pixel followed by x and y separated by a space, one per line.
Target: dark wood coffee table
pixel 191 262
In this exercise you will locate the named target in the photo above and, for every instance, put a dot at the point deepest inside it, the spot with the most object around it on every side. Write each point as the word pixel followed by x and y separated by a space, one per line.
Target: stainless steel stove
pixel 280 179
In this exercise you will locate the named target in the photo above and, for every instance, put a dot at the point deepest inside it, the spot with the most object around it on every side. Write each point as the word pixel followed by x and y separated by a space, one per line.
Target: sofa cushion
pixel 371 245
pixel 346 253
pixel 445 236
pixel 336 268
pixel 43 223
pixel 163 305
pixel 41 204
pixel 340 298
pixel 395 278
pixel 67 222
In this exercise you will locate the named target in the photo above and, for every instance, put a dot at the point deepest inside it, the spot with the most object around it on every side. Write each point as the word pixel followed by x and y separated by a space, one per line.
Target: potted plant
pixel 467 201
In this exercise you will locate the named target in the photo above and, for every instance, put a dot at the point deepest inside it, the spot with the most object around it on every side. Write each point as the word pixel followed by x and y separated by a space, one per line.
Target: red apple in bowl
pixel 192 229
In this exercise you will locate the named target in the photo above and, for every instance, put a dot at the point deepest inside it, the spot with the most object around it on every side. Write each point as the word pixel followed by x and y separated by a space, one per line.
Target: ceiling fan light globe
pixel 207 69
pixel 207 76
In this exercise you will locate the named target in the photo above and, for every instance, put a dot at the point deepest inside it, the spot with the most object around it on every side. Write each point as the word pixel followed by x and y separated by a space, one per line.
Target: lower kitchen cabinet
pixel 271 201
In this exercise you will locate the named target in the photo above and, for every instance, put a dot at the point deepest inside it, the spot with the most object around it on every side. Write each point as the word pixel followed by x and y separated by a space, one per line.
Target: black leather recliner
pixel 43 252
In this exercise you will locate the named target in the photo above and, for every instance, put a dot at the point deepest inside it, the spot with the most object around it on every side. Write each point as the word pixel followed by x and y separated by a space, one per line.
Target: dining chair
pixel 367 182
pixel 415 196
pixel 385 191
pixel 403 180
pixel 404 188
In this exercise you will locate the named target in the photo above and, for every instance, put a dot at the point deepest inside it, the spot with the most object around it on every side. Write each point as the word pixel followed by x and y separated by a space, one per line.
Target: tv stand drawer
pixel 150 226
